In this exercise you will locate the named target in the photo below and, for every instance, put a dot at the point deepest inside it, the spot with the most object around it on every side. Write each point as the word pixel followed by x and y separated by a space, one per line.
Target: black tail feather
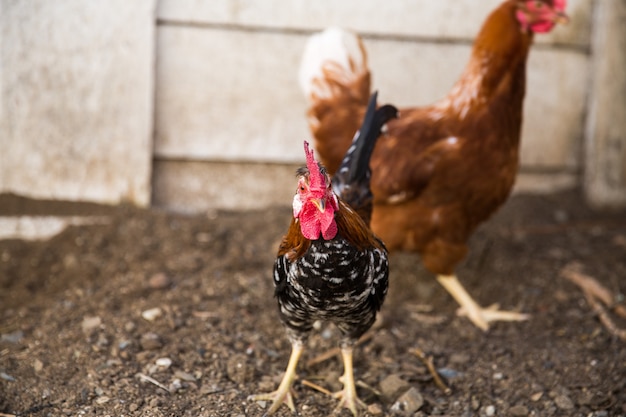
pixel 351 182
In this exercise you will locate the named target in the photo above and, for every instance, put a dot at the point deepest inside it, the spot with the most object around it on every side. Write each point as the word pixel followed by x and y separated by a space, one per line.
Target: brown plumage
pixel 440 170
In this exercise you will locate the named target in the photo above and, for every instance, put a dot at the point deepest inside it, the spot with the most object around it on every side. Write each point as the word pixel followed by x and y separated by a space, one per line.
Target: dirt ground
pixel 162 314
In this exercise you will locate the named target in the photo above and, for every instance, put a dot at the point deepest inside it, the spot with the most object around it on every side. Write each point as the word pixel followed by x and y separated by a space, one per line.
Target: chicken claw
pixel 283 395
pixel 348 397
pixel 481 317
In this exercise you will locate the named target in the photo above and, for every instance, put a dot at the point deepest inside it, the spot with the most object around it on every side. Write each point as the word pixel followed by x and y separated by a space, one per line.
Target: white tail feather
pixel 333 49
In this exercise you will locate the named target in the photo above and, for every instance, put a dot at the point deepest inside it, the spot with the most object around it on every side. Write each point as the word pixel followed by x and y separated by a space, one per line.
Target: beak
pixel 561 17
pixel 320 203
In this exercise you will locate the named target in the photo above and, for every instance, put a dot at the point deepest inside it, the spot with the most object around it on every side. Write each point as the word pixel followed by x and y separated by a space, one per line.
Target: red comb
pixel 316 180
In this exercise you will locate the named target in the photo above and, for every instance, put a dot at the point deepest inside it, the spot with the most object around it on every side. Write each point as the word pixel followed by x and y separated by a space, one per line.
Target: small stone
pixel 459 358
pixel 475 403
pixel 536 396
pixel 374 409
pixel 152 314
pixel 518 411
pixel 90 323
pixel 163 363
pixel 130 326
pixel 212 389
pixel 123 344
pixel 37 365
pixel 13 337
pixel 102 400
pixel 159 281
pixel 6 377
pixel 175 385
pixel 409 402
pixel 490 410
pixel 133 407
pixel 261 403
pixel 564 402
pixel 392 386
pixel 151 341
pixel 184 376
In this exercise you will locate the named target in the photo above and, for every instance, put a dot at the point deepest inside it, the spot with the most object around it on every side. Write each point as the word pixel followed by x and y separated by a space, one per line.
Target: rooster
pixel 330 266
pixel 444 169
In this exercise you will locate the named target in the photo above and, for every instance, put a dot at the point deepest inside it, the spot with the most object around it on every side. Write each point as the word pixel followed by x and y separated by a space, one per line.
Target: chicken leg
pixel 347 396
pixel 283 393
pixel 481 317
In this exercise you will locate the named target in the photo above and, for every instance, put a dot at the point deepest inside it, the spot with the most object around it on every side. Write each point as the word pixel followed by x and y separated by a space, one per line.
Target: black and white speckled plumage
pixel 333 281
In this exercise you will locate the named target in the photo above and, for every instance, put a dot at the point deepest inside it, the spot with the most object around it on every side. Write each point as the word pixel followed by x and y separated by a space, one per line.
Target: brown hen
pixel 444 169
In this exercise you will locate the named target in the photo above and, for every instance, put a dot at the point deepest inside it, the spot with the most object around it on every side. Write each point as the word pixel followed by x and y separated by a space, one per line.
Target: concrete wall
pixel 76 99
pixel 86 86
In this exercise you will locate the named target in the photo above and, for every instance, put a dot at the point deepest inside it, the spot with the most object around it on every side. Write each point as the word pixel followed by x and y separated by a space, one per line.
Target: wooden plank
pixel 199 186
pixel 228 95
pixel 441 19
pixel 190 187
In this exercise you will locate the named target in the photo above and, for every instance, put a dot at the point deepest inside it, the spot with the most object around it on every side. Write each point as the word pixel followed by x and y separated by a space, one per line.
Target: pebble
pixel 409 402
pixel 102 400
pixel 152 314
pixel 37 365
pixel 6 377
pixel 123 344
pixel 518 411
pixel 536 396
pixel 159 281
pixel 185 376
pixel 392 386
pixel 130 326
pixel 90 323
pixel 151 341
pixel 459 358
pixel 374 409
pixel 163 363
pixel 175 385
pixel 490 410
pixel 13 337
pixel 564 402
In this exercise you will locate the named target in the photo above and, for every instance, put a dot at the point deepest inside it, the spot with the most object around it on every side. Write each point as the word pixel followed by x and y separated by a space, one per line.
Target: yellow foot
pixel 348 399
pixel 278 398
pixel 283 394
pixel 481 317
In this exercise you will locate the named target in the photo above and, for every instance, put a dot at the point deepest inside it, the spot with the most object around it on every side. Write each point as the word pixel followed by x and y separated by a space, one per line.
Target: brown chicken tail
pixel 334 66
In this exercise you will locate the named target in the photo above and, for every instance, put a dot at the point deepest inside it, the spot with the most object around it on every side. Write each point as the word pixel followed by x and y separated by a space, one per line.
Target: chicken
pixel 330 266
pixel 444 169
